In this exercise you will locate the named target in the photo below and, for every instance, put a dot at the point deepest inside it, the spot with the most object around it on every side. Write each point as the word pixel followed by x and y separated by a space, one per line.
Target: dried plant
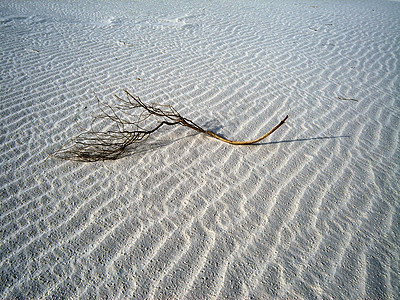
pixel 128 119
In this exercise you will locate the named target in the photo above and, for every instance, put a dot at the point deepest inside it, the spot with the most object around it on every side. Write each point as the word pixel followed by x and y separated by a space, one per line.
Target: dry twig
pixel 128 128
pixel 348 99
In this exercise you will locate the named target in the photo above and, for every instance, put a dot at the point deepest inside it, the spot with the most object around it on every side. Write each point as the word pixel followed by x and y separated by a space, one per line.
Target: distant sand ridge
pixel 310 212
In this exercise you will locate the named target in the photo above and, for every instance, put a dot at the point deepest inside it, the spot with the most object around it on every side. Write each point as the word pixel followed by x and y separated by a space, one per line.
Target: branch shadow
pixel 151 146
pixel 304 140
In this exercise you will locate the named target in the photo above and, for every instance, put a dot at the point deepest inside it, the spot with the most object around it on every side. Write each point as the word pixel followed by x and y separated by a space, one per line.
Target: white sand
pixel 311 212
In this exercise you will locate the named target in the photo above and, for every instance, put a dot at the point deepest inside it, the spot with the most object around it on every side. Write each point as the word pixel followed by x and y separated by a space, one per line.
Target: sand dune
pixel 311 212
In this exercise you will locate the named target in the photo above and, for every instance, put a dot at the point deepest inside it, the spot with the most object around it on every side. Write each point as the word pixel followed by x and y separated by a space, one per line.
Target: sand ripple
pixel 312 212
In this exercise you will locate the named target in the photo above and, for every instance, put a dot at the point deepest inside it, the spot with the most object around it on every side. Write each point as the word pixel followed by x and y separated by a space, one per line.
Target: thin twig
pixel 347 99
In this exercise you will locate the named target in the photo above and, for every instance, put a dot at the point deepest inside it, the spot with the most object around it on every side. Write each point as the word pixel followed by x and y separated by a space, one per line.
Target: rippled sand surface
pixel 313 211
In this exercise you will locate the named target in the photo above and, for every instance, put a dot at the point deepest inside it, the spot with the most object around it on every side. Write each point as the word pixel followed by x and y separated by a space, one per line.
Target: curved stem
pixel 212 134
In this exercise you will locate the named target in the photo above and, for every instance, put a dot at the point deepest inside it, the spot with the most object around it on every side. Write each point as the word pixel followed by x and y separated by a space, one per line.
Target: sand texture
pixel 310 212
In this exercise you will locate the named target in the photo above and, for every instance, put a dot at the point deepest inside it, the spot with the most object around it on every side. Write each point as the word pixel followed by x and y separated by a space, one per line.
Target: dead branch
pixel 128 120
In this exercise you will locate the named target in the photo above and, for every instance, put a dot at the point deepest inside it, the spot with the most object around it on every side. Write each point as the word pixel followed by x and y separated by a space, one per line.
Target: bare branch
pixel 97 145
